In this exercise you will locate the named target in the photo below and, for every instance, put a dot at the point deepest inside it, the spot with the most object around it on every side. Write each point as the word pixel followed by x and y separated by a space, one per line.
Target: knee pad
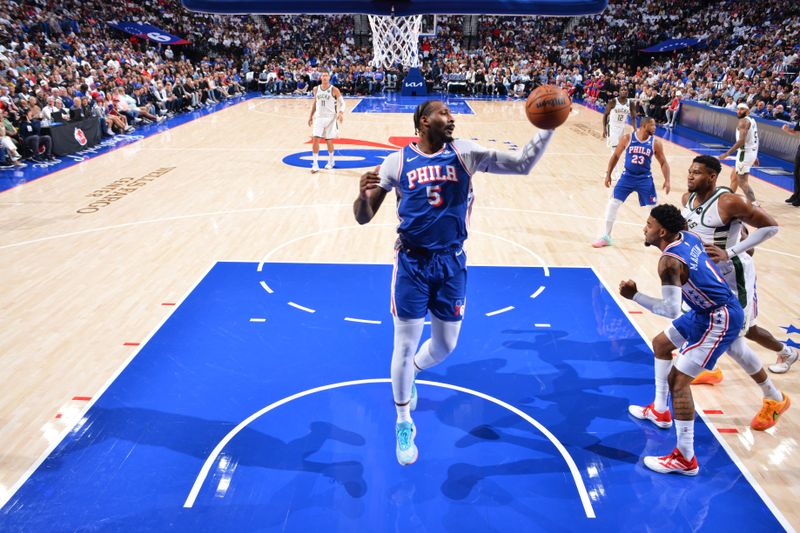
pixel 744 356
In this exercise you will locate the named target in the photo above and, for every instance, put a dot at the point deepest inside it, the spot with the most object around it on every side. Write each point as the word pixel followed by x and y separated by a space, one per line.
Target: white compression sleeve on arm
pixel 669 306
pixel 518 163
pixel 755 238
pixel 340 107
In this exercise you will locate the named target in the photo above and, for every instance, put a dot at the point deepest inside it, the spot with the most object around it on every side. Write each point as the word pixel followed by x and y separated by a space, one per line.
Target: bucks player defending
pixel 433 182
pixel 717 216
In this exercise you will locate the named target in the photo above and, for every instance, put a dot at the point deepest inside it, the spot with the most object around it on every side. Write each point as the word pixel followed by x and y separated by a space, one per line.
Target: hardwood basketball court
pixel 87 279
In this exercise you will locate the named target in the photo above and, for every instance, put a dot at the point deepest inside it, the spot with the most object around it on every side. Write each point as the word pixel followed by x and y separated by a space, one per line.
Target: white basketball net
pixel 395 40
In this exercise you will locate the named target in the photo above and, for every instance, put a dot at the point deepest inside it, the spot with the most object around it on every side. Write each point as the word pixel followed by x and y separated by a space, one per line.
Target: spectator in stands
pixel 760 109
pixel 47 112
pixel 59 114
pixel 8 147
pixel 672 109
pixel 82 110
pixel 779 114
pixel 40 146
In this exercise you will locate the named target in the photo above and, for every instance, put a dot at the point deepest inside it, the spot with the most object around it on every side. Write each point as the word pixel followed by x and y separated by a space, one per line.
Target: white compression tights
pixel 611 214
pixel 406 359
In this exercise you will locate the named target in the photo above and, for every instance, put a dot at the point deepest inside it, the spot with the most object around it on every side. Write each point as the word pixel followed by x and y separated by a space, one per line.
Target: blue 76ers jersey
pixel 434 198
pixel 705 289
pixel 638 157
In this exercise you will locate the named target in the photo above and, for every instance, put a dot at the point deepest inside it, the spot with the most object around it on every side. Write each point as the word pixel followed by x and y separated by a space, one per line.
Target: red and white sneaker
pixel 674 462
pixel 648 412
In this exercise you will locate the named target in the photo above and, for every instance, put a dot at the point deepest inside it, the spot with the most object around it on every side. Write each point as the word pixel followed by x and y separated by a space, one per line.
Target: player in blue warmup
pixel 433 182
pixel 703 333
pixel 639 148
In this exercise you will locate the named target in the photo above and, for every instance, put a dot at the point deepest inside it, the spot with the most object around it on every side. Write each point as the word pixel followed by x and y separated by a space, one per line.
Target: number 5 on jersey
pixel 435 195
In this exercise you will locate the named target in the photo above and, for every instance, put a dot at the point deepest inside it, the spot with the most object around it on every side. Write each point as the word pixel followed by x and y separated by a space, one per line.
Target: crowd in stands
pixel 61 61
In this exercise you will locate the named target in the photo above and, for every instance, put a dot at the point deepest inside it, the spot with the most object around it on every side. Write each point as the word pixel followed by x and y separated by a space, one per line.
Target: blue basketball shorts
pixel 643 186
pixel 703 337
pixel 435 282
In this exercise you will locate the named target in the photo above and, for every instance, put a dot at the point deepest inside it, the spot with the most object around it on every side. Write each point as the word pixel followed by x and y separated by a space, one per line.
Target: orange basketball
pixel 548 107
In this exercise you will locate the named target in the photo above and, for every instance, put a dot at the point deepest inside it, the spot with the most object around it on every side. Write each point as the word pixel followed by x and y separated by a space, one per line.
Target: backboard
pixel 401 7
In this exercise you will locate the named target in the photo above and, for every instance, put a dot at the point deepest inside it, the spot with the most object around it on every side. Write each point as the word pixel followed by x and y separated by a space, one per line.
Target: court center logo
pixel 366 154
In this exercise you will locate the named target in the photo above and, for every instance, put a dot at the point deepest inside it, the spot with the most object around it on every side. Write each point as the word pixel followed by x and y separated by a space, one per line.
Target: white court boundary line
pixel 576 476
pixel 7 497
pixel 735 458
pixel 302 308
pixel 362 320
pixel 500 311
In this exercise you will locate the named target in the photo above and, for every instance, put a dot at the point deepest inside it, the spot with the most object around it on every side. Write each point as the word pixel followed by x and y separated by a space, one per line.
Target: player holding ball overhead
pixel 433 182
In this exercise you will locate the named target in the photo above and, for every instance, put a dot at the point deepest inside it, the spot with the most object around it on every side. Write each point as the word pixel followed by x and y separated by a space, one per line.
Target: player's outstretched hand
pixel 627 289
pixel 716 253
pixel 369 181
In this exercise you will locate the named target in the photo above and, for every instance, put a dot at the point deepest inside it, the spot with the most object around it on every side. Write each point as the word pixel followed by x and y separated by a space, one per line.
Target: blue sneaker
pixel 413 403
pixel 407 452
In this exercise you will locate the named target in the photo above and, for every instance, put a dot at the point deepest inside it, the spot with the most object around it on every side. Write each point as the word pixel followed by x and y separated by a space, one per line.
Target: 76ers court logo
pixel 369 153
pixel 80 136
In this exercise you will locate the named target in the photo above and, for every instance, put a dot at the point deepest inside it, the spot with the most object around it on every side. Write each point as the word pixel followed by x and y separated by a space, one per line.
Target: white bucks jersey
pixel 738 271
pixel 326 103
pixel 618 117
pixel 705 221
pixel 751 137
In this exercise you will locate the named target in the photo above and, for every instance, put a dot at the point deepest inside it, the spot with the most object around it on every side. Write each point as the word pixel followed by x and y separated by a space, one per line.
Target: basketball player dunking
pixel 615 120
pixel 639 148
pixel 327 112
pixel 433 182
pixel 746 149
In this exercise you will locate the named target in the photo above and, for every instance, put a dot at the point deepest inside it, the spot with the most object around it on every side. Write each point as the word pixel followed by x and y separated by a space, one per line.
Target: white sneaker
pixel 672 463
pixel 648 412
pixel 314 168
pixel 786 358
pixel 329 165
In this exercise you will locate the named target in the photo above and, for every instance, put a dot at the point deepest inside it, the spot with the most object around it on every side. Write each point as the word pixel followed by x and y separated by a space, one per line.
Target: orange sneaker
pixel 674 462
pixel 770 411
pixel 709 377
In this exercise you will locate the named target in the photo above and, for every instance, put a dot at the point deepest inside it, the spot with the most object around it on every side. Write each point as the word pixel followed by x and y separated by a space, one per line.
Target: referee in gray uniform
pixel 794 199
